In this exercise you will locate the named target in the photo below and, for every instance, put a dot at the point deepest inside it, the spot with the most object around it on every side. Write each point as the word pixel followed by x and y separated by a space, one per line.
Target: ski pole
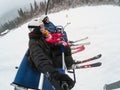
pixel 64 84
pixel 63 58
pixel 67 25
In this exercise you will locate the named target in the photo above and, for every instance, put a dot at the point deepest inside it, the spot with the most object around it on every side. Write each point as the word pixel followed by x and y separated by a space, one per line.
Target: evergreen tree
pixel 35 6
pixel 42 7
pixel 21 13
pixel 31 10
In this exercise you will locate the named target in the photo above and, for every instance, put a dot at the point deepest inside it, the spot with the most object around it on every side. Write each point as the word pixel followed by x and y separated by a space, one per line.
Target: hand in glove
pixel 53 74
pixel 63 78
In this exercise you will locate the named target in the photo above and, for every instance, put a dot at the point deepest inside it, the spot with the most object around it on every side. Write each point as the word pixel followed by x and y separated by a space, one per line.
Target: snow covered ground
pixel 100 23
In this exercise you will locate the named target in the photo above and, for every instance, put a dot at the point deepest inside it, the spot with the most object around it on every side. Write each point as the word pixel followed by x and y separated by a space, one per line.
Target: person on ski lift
pixel 51 27
pixel 56 38
pixel 43 55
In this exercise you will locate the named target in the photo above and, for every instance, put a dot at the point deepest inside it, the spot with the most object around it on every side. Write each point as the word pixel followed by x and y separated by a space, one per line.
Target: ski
pixel 93 65
pixel 78 40
pixel 86 43
pixel 78 49
pixel 97 64
pixel 89 59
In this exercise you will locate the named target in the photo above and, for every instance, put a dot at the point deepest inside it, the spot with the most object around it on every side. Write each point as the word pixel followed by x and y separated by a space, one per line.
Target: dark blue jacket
pixel 51 27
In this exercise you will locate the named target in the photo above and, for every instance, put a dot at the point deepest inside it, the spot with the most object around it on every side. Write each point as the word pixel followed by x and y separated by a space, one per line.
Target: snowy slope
pixel 100 23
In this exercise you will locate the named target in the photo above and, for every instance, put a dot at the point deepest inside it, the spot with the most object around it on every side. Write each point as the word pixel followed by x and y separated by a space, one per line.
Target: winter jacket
pixel 50 27
pixel 53 29
pixel 40 53
pixel 44 55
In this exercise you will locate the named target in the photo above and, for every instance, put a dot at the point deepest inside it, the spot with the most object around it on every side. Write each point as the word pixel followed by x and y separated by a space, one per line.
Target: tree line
pixel 54 6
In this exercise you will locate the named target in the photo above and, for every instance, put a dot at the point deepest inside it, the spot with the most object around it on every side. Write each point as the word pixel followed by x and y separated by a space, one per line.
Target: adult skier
pixel 51 27
pixel 43 56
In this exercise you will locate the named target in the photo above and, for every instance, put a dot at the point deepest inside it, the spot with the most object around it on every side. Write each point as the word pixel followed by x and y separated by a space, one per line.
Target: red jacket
pixel 56 38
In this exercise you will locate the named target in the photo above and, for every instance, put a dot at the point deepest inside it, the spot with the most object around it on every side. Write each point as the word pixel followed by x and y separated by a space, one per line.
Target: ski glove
pixel 63 78
pixel 54 74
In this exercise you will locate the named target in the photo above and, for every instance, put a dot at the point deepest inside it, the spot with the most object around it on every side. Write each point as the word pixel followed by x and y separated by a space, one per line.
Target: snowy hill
pixel 100 23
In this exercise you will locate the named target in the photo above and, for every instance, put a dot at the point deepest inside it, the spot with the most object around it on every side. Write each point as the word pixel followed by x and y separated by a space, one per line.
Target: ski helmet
pixel 44 18
pixel 35 24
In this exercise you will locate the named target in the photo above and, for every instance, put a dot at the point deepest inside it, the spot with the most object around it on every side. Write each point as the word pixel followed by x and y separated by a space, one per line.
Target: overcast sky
pixel 8 5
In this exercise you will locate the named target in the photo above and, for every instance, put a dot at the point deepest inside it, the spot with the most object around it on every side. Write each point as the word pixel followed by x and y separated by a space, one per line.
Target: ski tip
pixel 99 55
pixel 97 64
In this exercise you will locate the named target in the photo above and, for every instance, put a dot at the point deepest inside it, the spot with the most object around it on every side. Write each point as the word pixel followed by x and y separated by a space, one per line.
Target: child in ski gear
pixel 56 38
pixel 51 27
pixel 43 54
